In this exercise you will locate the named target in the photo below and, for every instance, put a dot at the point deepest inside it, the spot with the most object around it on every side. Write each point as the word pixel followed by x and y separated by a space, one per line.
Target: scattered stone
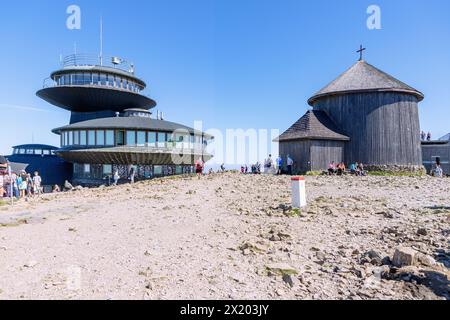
pixel 249 247
pixel 426 260
pixel 30 264
pixel 288 279
pixel 281 269
pixel 404 257
pixel 422 232
pixel 321 257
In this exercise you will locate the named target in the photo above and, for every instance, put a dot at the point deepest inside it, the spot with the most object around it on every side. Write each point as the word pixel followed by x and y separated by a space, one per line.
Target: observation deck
pixel 88 83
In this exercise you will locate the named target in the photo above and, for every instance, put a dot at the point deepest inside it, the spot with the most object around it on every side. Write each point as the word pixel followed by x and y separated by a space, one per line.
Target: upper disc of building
pixel 90 83
pixel 363 77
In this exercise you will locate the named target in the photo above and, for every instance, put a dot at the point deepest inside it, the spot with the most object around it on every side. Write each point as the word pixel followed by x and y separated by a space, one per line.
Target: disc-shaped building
pixel 364 116
pixel 111 126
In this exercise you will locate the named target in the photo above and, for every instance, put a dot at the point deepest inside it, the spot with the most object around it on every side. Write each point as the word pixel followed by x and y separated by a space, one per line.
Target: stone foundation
pixel 397 169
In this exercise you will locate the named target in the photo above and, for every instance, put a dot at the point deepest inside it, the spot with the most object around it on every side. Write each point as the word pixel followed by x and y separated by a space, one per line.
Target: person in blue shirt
pixel 279 165
pixel 353 167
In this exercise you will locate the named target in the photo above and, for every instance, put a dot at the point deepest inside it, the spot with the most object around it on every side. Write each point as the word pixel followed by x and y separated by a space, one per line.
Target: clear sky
pixel 231 63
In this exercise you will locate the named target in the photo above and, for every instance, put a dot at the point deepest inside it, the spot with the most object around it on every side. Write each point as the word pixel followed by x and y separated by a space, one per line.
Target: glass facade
pixel 98 79
pixel 103 173
pixel 139 138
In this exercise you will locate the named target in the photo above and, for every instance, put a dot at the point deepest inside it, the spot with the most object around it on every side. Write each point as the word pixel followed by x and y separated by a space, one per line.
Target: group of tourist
pixel 340 169
pixel 271 167
pixel 20 185
pixel 425 136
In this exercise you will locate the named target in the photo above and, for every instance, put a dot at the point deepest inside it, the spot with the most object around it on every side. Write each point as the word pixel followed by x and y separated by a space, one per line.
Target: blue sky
pixel 231 63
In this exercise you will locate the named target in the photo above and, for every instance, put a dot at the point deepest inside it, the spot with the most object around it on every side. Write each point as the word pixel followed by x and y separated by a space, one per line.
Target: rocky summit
pixel 231 236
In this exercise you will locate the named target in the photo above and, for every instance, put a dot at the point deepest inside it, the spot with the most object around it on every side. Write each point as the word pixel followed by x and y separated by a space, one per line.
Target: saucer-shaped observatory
pixel 111 126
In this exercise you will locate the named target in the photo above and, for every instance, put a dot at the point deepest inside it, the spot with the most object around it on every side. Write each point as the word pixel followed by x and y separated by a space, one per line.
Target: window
pixel 87 78
pixel 76 137
pixel 91 137
pixel 46 152
pixel 141 138
pixel 21 151
pixel 100 138
pixel 70 138
pixel 152 139
pixel 79 78
pixel 38 152
pixel 83 141
pixel 66 138
pixel 87 168
pixel 107 169
pixel 131 138
pixel 120 138
pixel 103 79
pixel 109 137
pixel 96 79
pixel 67 81
pixel 157 170
pixel 30 151
pixel 162 139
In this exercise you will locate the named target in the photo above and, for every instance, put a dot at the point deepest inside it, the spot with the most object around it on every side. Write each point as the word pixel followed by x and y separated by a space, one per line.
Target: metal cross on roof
pixel 360 51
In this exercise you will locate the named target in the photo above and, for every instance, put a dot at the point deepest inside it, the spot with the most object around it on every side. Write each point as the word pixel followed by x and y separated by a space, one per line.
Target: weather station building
pixel 365 116
pixel 437 151
pixel 41 158
pixel 111 126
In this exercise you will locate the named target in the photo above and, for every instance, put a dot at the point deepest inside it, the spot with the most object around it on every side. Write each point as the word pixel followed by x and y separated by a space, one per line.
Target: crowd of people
pixel 20 185
pixel 340 169
pixel 270 166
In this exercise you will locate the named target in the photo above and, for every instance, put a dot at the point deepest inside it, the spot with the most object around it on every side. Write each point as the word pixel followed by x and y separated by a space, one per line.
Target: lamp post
pixel 11 185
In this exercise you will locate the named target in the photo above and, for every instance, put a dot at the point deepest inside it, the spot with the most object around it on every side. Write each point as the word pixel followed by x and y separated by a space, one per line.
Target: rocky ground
pixel 230 236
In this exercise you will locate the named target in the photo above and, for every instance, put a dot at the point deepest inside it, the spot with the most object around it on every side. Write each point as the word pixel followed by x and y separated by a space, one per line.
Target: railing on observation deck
pixel 85 60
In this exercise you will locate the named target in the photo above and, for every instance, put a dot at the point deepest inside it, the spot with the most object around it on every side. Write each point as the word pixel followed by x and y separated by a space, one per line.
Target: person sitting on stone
pixel 361 171
pixel 332 168
pixel 353 168
pixel 341 169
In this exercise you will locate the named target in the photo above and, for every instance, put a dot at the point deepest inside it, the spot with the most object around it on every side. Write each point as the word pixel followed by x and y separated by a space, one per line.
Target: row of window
pixel 128 138
pixel 99 79
pixel 95 171
pixel 39 152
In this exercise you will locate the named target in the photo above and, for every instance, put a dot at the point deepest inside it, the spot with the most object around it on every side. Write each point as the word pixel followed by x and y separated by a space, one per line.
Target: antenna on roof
pixel 101 40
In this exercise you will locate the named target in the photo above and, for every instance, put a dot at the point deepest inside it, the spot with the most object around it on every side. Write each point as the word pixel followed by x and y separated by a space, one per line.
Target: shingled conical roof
pixel 363 77
pixel 314 125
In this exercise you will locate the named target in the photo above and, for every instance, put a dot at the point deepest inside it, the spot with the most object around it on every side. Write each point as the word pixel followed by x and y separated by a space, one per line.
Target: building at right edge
pixel 364 116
